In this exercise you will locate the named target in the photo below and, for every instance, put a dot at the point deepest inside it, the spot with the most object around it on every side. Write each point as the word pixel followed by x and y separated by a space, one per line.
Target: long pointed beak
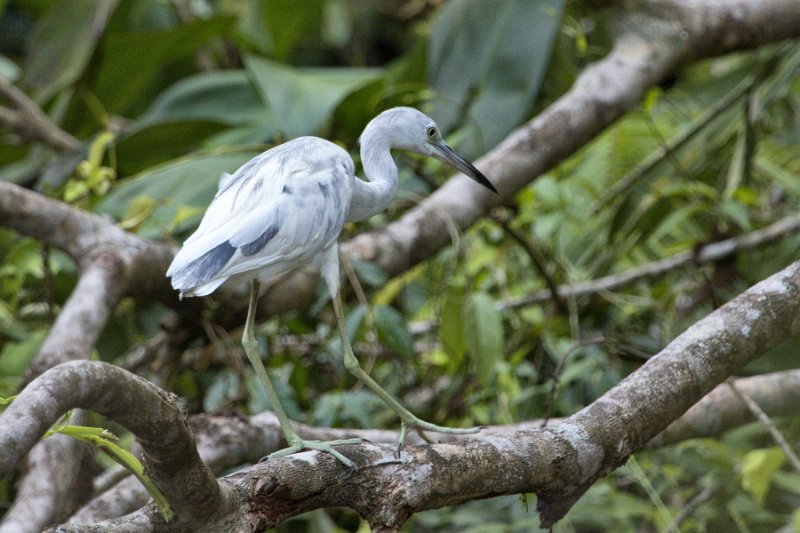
pixel 445 154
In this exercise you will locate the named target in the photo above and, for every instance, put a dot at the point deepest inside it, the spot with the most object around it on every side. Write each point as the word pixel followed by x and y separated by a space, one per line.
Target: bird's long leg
pixel 408 420
pixel 296 444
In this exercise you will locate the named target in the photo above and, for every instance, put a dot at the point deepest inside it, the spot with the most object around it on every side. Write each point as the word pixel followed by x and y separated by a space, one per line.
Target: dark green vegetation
pixel 174 94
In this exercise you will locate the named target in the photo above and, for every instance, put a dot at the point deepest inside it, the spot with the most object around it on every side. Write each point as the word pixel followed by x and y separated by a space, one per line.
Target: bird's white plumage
pixel 286 207
pixel 300 191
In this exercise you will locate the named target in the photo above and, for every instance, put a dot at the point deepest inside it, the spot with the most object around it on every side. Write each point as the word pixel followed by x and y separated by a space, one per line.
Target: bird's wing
pixel 278 210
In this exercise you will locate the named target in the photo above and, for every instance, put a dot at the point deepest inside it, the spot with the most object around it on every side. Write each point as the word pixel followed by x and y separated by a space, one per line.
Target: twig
pixel 536 258
pixel 548 410
pixel 30 121
pixel 694 503
pixel 762 417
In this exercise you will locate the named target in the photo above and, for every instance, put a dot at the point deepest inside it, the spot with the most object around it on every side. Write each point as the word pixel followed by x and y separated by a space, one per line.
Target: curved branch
pixel 83 236
pixel 112 263
pixel 170 456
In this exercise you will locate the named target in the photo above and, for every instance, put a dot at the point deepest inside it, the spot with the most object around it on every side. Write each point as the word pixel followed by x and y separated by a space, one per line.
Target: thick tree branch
pixel 778 394
pixel 52 487
pixel 85 236
pixel 84 316
pixel 170 454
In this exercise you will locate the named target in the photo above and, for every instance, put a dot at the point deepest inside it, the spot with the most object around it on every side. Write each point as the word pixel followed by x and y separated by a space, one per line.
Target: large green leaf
pixel 483 332
pixel 142 148
pixel 227 97
pixel 393 330
pixel 303 99
pixel 451 323
pixel 486 61
pixel 185 115
pixel 188 183
pixel 758 468
pixel 60 49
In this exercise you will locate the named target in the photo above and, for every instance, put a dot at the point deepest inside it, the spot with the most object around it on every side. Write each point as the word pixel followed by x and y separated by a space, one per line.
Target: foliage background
pixel 172 94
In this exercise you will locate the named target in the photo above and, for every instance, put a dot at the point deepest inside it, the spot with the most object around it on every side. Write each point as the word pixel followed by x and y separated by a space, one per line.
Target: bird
pixel 285 209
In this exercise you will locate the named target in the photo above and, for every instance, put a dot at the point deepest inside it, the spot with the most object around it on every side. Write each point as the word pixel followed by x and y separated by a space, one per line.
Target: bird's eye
pixel 431 133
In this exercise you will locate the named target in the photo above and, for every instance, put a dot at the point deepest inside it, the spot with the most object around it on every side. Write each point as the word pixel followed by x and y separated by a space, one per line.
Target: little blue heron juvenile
pixel 285 209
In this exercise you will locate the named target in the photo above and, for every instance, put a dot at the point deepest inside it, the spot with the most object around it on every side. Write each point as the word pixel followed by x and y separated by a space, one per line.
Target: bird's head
pixel 409 129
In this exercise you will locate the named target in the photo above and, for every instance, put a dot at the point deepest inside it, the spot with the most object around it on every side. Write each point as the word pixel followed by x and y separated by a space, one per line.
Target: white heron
pixel 286 208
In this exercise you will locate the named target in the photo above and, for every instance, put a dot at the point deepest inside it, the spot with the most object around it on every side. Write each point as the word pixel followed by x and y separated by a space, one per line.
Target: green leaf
pixel 226 97
pixel 355 318
pixel 334 408
pixel 152 145
pixel 451 323
pixel 742 161
pixel 222 392
pixel 7 401
pixel 60 49
pixel 393 330
pixel 483 333
pixel 486 61
pixel 758 469
pixel 369 273
pixel 303 99
pixel 102 439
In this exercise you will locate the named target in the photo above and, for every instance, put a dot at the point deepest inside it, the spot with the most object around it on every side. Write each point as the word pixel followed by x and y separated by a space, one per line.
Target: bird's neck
pixel 374 195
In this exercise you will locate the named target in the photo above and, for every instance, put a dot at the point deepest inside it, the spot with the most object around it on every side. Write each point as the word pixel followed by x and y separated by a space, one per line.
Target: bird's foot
pixel 297 445
pixel 409 422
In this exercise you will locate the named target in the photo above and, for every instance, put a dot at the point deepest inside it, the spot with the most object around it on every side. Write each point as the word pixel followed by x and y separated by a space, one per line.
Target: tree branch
pixel 778 394
pixel 709 253
pixel 646 51
pixel 170 455
pixel 112 263
pixel 30 122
